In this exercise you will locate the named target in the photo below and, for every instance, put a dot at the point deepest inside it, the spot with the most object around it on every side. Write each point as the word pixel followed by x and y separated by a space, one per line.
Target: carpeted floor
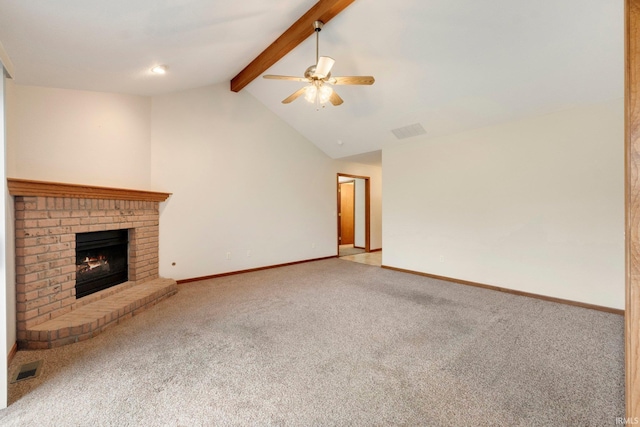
pixel 334 343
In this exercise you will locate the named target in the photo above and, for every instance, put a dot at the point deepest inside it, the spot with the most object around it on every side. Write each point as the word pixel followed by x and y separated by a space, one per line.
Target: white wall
pixel 243 182
pixel 359 213
pixel 78 136
pixel 535 205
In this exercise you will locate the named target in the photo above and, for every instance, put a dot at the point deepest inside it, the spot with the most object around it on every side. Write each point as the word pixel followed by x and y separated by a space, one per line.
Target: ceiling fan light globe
pixel 324 93
pixel 310 93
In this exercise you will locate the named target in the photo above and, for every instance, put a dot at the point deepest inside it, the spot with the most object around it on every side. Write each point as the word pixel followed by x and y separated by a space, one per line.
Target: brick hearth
pixel 48 216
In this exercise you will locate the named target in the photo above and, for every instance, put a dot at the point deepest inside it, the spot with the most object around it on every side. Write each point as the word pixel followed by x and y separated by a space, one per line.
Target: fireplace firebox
pixel 101 260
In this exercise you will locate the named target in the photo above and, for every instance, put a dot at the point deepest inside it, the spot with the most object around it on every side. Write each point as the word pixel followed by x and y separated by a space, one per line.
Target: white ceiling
pixel 448 65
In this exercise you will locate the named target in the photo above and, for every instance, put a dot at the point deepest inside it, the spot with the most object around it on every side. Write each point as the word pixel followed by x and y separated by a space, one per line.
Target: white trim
pixel 4 294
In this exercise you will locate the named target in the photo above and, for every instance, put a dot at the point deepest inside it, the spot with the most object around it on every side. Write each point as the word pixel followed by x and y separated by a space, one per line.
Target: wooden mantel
pixel 25 187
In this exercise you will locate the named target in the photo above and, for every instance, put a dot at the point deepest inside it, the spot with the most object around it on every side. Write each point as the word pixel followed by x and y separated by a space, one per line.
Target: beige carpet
pixel 334 343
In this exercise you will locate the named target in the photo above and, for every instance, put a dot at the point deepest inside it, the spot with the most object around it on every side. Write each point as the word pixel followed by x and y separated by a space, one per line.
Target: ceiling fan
pixel 319 90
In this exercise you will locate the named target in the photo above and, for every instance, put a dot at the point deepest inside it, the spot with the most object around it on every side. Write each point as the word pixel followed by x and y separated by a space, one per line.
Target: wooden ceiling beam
pixel 323 11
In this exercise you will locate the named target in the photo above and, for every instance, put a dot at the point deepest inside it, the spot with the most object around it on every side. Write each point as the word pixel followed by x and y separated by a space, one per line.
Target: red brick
pixel 49 256
pixel 47 223
pixel 68 253
pixel 41 203
pixel 33 268
pixel 59 312
pixel 34 286
pixel 79 214
pixel 44 292
pixel 44 240
pixel 60 214
pixel 60 247
pixel 53 272
pixel 34 250
pixel 28 315
pixel 61 295
pixel 68 285
pixel 33 232
pixel 68 269
pixel 59 280
pixel 23 297
pixel 35 215
pixel 48 308
pixel 68 238
pixel 63 262
pixel 60 230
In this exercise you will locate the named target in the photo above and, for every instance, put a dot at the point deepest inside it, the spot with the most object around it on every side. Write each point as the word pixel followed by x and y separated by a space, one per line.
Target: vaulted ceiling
pixel 447 65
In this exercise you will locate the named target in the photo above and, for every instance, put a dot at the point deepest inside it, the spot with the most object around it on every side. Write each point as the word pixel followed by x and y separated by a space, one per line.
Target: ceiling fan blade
pixel 352 80
pixel 323 68
pixel 294 95
pixel 276 77
pixel 335 98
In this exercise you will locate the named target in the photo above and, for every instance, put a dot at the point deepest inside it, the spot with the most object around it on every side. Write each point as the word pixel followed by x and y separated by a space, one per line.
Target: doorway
pixel 353 214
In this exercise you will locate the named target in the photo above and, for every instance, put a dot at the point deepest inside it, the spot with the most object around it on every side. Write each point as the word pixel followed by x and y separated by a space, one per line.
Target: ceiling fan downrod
pixel 317 27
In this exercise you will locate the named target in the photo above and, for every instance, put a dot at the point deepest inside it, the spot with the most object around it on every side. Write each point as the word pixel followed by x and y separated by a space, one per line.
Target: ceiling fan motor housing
pixel 310 73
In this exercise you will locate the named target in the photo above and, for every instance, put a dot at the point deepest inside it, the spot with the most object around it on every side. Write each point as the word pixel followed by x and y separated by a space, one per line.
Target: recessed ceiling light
pixel 159 69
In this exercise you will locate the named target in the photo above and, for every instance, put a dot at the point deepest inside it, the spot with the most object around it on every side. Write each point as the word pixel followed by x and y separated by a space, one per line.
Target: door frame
pixel 632 207
pixel 367 210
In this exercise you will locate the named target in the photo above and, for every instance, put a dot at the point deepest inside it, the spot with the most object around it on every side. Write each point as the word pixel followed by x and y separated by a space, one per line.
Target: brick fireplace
pixel 47 218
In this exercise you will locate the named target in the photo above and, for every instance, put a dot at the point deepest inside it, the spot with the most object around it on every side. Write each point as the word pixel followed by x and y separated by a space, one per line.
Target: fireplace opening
pixel 101 260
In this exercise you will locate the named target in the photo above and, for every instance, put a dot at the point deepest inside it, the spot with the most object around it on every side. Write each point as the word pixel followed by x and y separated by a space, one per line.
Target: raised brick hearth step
pixel 91 319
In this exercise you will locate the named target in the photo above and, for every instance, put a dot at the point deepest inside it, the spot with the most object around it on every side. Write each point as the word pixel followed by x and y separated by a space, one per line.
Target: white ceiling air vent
pixel 409 131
